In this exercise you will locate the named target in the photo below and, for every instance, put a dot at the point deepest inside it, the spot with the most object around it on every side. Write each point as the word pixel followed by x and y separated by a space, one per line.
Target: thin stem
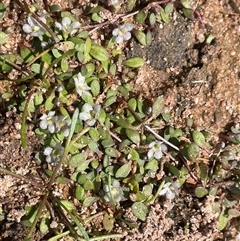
pixel 66 150
pixel 40 209
pixel 39 56
pixel 156 194
pixel 161 138
pixel 108 236
pixel 24 118
pixel 15 66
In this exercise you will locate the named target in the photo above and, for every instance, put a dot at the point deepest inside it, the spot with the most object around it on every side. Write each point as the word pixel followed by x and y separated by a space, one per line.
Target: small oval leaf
pixel 222 220
pixel 123 171
pixel 140 36
pixel 193 151
pixel 89 201
pixel 134 62
pixel 140 210
pixel 199 138
pixel 98 52
pixel 133 135
pixel 200 192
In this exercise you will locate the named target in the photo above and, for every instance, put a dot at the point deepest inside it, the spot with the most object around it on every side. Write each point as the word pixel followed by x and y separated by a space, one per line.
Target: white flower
pixel 53 154
pixel 63 124
pixel 170 189
pixel 33 27
pixel 48 121
pixel 90 113
pixel 67 26
pixel 81 86
pixel 115 192
pixel 156 149
pixel 122 32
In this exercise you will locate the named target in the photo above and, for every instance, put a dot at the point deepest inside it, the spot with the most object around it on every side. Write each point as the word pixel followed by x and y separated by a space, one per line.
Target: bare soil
pixel 198 81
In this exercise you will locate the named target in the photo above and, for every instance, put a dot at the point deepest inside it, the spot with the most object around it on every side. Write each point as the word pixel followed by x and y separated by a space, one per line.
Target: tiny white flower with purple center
pixel 90 113
pixel 68 27
pixel 170 189
pixel 156 149
pixel 81 86
pixel 53 154
pixel 48 121
pixel 62 125
pixel 34 28
pixel 115 192
pixel 123 32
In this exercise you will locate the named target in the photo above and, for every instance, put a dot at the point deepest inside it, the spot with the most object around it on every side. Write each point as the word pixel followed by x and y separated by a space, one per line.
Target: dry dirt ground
pixel 197 81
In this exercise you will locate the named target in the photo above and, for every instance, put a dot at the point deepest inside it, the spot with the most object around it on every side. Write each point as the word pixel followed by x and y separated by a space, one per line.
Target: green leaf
pixel 186 4
pixel 164 16
pixel 55 8
pixel 77 160
pixel 148 37
pixel 169 8
pixel 152 165
pixel 44 224
pixel 203 172
pixel 102 116
pixel 200 192
pixel 3 36
pixel 49 102
pixel 68 205
pixel 99 53
pixel 87 46
pixel 140 210
pixel 131 5
pixel 234 213
pixel 193 151
pixel 88 185
pixel 93 133
pixel 188 13
pixel 2 11
pixel 108 222
pixel 93 146
pixel 199 138
pixel 26 54
pixel 158 107
pixel 56 53
pixel 222 220
pixel 95 87
pixel 133 155
pixel 140 36
pixel 113 69
pixel 96 17
pixel 64 65
pixel 134 62
pixel 80 193
pixel 152 19
pixel 72 127
pixel 141 16
pixel 38 98
pixel 112 152
pixel 174 170
pixel 36 68
pixel 124 170
pixel 112 99
pixel 89 201
pixel 133 135
pixel 132 103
